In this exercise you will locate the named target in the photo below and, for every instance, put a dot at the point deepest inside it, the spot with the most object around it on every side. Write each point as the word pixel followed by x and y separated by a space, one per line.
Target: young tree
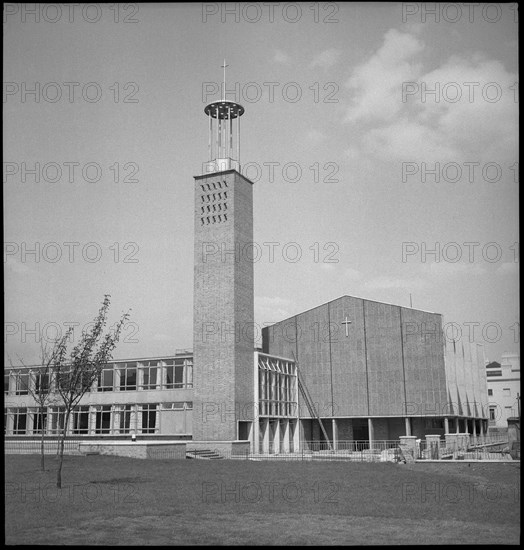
pixel 39 384
pixel 74 373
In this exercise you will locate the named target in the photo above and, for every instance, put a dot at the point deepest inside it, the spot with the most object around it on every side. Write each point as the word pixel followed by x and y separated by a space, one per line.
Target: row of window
pixel 175 374
pixel 95 419
pixel 277 393
pixel 20 382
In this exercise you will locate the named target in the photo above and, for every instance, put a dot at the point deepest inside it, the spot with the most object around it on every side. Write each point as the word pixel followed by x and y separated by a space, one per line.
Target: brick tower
pixel 223 317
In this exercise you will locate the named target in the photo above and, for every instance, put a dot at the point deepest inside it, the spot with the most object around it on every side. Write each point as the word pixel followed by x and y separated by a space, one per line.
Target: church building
pixel 350 370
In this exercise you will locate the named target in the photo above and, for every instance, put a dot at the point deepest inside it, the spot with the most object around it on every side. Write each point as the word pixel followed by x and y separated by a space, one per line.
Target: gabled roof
pixel 358 298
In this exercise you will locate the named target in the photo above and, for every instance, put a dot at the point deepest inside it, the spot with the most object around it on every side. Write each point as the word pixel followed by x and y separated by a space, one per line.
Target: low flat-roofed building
pixel 503 387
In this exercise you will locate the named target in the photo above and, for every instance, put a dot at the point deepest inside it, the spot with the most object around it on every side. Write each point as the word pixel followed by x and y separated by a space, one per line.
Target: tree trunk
pixel 61 455
pixel 42 460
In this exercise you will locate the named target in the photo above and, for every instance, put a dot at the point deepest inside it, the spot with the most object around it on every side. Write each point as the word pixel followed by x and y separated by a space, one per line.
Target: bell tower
pixel 223 316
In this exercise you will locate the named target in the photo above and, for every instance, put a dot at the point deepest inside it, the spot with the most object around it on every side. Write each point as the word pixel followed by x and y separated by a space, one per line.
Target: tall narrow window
pixel 188 365
pixel 57 420
pixel 103 419
pixel 148 419
pixel 149 376
pixel 41 382
pixel 128 377
pixel 106 379
pixel 39 420
pixel 169 378
pixel 124 425
pixel 20 421
pixel 81 420
pixel 179 373
pixel 22 383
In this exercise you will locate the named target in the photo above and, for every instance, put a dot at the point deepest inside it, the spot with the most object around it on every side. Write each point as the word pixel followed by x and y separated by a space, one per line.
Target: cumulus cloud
pixel 408 140
pixel 472 116
pixel 376 84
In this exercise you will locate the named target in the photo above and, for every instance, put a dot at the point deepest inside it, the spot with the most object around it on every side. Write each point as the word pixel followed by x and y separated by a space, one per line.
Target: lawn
pixel 113 500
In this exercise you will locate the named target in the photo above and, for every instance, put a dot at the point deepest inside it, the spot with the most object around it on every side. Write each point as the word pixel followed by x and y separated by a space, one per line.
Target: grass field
pixel 113 500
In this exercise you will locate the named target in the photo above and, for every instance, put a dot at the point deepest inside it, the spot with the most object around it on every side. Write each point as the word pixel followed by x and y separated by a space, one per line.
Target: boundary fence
pixel 34 446
pixel 479 448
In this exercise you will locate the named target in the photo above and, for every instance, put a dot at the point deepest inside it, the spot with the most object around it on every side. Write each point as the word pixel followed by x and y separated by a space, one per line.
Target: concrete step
pixel 205 454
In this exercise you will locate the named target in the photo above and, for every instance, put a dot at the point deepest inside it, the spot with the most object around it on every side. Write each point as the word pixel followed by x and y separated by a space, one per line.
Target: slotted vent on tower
pixel 213 203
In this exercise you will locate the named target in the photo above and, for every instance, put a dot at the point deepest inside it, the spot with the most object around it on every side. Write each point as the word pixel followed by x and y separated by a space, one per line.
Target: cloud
pixel 326 59
pixel 377 83
pixel 472 116
pixel 408 141
pixel 281 57
pixel 480 116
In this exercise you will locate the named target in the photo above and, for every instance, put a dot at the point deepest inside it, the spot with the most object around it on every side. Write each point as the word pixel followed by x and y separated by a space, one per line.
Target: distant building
pixel 503 385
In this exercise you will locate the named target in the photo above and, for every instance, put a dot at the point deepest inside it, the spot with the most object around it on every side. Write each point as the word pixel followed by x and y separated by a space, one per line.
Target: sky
pixel 381 139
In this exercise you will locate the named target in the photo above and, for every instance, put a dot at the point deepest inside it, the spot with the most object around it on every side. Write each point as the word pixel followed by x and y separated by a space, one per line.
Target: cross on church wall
pixel 346 322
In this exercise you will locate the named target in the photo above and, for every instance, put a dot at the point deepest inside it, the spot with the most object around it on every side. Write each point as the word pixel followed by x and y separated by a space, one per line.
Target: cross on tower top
pixel 224 83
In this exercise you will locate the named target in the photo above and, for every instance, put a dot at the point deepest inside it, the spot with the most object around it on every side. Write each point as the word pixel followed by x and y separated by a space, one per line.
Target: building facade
pixel 150 397
pixel 155 398
pixel 503 387
pixel 370 371
pixel 348 370
pixel 378 371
